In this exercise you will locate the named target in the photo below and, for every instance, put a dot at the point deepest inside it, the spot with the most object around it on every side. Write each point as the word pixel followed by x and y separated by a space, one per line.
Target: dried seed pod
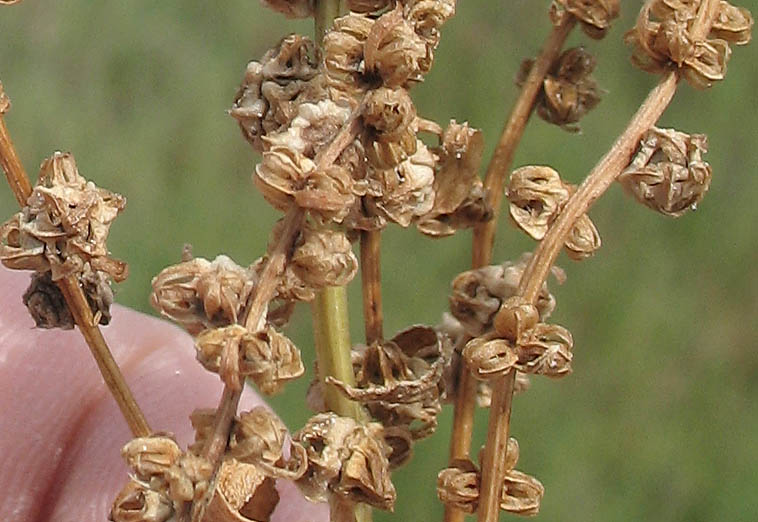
pixel 426 18
pixel 314 127
pixel 536 195
pixel 200 294
pixel 269 358
pixel 274 87
pixel 368 6
pixel 569 90
pixel 242 493
pixel 407 190
pixel 138 503
pixel 516 315
pixel 343 57
pixel 400 441
pixel 489 358
pixel 323 258
pixel 662 37
pixel 64 225
pixel 595 15
pixel 458 486
pixel 459 198
pixel 286 177
pixel 583 240
pixel 346 458
pixel 258 437
pixel 668 173
pixel 479 293
pixel 390 127
pixel 545 350
pixel 291 8
pixel 521 494
pixel 394 51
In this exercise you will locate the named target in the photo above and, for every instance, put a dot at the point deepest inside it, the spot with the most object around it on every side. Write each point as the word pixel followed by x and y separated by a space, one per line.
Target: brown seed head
pixel 138 503
pixel 595 15
pixel 323 258
pixel 291 8
pixel 545 350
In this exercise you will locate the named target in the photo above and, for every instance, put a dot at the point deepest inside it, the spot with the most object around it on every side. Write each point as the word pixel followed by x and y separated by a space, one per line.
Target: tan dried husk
pixel 569 90
pixel 536 195
pixel 200 294
pixel 292 8
pixel 489 358
pixel 545 350
pixel 368 6
pixel 594 15
pixel 346 458
pixel 407 190
pixel 64 225
pixel 661 37
pixel 274 87
pixel 390 127
pixel 267 357
pixel 138 503
pixel 394 51
pixel 478 294
pixel 242 493
pixel 460 200
pixel 323 258
pixel 458 486
pixel 343 57
pixel 668 174
pixel 258 437
pixel 427 17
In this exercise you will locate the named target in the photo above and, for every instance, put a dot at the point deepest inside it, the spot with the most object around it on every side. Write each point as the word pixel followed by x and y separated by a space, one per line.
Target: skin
pixel 61 432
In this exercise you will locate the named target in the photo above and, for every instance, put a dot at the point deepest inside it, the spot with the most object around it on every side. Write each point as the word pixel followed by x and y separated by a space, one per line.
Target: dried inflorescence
pixel 390 123
pixel 267 357
pixel 200 294
pixel 569 90
pixel 668 173
pixel 662 38
pixel 460 200
pixel 274 87
pixel 594 15
pixel 292 8
pixel 537 195
pixel 368 6
pixel 479 293
pixel 458 486
pixel 347 459
pixel 323 258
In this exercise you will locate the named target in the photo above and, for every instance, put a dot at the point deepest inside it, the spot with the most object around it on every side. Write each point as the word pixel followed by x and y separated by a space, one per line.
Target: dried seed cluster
pixel 61 232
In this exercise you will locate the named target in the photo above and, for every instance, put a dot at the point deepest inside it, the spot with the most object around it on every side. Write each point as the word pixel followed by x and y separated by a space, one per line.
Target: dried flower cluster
pixel 61 232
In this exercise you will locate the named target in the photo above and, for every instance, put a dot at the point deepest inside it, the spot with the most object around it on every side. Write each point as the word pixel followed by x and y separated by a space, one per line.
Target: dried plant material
pixel 516 315
pixel 400 441
pixel 394 51
pixel 583 240
pixel 64 225
pixel 668 174
pixel 286 177
pixel 258 437
pixel 569 90
pixel 536 195
pixel 346 458
pixel 390 124
pixel 521 494
pixel 267 357
pixel 479 293
pixel 545 350
pixel 243 493
pixel 594 15
pixel 323 258
pixel 313 128
pixel 407 189
pixel 200 294
pixel 5 102
pixel 458 486
pixel 291 8
pixel 459 198
pixel 343 57
pixel 489 358
pixel 427 18
pixel 662 37
pixel 138 503
pixel 273 88
pixel 368 6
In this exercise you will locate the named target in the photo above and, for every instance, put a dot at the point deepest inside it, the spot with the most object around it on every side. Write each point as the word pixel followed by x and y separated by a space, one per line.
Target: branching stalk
pixel 74 296
pixel 596 183
pixel 484 234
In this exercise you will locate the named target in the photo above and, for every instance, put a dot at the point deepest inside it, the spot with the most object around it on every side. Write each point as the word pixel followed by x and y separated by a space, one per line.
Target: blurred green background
pixel 659 420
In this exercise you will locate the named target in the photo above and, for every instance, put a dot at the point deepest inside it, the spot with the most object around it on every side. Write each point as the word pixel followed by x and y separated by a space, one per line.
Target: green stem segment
pixel 325 13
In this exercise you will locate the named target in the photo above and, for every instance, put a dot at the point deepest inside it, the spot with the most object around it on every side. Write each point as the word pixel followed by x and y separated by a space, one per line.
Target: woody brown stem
pixel 596 183
pixel 371 280
pixel 484 234
pixel 74 296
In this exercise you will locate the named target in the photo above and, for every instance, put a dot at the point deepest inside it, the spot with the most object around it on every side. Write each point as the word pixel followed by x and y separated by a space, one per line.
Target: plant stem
pixel 371 279
pixel 325 13
pixel 596 183
pixel 73 294
pixel 484 234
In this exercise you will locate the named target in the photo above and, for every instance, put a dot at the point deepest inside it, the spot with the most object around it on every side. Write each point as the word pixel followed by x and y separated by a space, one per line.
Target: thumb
pixel 61 430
